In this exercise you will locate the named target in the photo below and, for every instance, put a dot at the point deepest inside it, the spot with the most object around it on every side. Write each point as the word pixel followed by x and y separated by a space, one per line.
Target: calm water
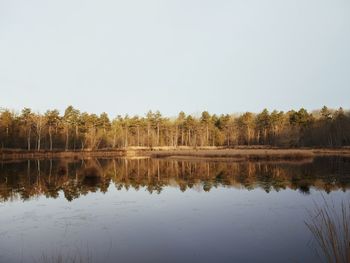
pixel 164 211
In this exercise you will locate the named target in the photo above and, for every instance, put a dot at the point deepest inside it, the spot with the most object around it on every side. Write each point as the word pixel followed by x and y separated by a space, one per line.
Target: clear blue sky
pixel 192 55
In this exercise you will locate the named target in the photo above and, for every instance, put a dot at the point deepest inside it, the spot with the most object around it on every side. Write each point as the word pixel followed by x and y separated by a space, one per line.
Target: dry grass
pixel 331 230
pixel 74 256
pixel 43 154
pixel 242 154
pixel 63 259
pixel 242 159
pixel 345 151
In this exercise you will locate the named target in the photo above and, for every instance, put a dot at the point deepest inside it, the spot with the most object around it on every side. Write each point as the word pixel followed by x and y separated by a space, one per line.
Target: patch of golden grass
pixel 244 154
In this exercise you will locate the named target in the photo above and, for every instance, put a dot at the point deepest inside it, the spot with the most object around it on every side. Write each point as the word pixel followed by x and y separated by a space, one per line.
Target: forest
pixel 76 130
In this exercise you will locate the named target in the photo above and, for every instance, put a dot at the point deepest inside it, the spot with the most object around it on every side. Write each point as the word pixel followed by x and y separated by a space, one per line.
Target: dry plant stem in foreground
pixel 330 228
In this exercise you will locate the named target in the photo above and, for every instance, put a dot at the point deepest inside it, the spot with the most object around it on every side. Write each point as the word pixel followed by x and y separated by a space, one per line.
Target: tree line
pixel 76 130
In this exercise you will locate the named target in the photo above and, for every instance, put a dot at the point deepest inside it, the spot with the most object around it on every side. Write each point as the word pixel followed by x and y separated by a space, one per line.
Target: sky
pixel 129 57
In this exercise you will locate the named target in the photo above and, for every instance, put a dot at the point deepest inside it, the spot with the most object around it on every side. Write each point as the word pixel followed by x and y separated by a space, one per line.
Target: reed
pixel 331 229
pixel 60 257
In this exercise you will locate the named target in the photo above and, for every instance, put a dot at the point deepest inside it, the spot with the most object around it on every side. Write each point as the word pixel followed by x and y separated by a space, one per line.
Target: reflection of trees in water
pixel 78 177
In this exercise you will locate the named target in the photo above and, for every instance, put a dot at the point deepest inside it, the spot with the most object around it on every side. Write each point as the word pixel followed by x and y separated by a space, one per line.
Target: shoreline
pixel 183 153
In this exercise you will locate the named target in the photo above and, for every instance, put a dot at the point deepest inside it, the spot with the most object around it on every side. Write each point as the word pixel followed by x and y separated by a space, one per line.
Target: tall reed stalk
pixel 330 226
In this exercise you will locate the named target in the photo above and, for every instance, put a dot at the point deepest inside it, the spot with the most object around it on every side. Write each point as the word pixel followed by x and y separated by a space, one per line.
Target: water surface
pixel 120 210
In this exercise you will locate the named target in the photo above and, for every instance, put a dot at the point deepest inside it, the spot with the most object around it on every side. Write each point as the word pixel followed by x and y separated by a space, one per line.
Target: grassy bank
pixel 253 154
pixel 234 154
pixel 23 154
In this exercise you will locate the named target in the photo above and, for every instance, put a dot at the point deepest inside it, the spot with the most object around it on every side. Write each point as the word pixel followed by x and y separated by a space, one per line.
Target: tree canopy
pixel 76 130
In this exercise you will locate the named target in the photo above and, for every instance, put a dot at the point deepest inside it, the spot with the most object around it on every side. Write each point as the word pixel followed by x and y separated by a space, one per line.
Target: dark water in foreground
pixel 164 211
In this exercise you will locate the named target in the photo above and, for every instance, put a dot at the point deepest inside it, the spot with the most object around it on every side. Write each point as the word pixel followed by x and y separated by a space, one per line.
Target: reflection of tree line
pixel 48 177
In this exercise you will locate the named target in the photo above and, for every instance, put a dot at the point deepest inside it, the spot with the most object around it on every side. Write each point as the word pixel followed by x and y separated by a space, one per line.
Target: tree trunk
pixel 207 142
pixel 157 134
pixel 39 140
pixel 50 134
pixel 67 137
pixel 138 136
pixel 38 126
pixel 176 134
pixel 228 138
pixel 189 137
pixel 114 139
pixel 182 137
pixel 76 136
pixel 28 139
pixel 248 131
pixel 126 137
pixel 148 131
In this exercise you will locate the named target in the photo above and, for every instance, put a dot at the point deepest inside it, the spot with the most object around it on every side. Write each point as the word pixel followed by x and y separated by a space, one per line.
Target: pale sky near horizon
pixel 172 55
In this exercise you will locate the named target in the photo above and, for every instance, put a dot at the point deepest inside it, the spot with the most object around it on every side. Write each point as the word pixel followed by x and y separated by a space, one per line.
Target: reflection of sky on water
pixel 225 224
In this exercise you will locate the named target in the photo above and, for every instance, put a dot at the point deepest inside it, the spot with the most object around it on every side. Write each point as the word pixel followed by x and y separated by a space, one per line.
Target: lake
pixel 158 210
